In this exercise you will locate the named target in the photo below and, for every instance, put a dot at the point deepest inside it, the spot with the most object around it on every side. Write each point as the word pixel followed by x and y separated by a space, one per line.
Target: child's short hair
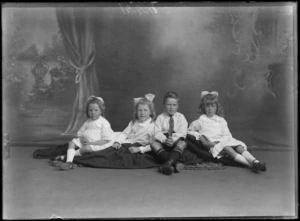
pixel 95 100
pixel 170 95
pixel 144 101
pixel 209 99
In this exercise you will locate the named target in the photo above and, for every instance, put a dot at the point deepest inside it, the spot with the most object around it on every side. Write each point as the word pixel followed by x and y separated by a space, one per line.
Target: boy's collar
pixel 167 114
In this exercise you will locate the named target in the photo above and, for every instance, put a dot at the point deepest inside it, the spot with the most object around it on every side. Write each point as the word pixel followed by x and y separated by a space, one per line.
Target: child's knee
pixel 89 149
pixel 86 150
pixel 156 146
pixel 181 145
pixel 227 150
pixel 240 149
pixel 71 145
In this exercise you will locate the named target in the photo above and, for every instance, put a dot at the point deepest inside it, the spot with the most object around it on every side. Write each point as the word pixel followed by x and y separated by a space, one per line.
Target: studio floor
pixel 34 190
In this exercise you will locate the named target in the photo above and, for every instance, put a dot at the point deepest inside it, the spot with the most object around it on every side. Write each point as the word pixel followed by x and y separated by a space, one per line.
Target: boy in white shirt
pixel 170 134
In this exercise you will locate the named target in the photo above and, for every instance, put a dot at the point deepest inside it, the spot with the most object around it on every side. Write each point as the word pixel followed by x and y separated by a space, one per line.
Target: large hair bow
pixel 149 97
pixel 203 93
pixel 99 98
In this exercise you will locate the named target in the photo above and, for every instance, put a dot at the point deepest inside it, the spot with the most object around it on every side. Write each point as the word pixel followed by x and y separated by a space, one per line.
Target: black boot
pixel 167 168
pixel 178 167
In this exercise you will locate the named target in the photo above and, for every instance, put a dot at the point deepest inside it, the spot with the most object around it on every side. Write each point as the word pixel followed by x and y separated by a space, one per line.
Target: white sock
pixel 239 158
pixel 248 157
pixel 70 155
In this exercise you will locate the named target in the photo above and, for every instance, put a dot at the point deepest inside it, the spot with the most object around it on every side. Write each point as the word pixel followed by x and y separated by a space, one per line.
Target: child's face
pixel 143 112
pixel 210 109
pixel 171 105
pixel 94 111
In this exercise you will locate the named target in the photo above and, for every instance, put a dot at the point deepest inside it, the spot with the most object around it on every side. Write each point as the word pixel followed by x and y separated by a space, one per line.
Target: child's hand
pixel 169 142
pixel 83 140
pixel 200 137
pixel 116 145
pixel 134 149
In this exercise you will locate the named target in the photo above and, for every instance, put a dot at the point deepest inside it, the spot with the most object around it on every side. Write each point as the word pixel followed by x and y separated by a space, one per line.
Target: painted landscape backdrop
pixel 246 53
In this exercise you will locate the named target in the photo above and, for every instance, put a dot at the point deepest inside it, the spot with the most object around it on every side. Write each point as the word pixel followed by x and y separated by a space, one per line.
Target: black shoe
pixel 66 166
pixel 167 168
pixel 263 166
pixel 56 161
pixel 178 167
pixel 258 166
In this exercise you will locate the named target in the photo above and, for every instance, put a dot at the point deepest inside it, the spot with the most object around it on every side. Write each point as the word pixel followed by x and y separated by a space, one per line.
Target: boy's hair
pixel 144 101
pixel 209 99
pixel 170 95
pixel 95 101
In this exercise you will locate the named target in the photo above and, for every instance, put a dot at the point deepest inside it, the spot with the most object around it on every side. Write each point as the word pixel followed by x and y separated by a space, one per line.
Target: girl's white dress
pixel 94 130
pixel 137 132
pixel 215 129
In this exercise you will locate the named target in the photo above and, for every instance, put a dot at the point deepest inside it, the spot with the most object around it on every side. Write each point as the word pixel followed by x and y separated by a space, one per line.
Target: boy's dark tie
pixel 171 126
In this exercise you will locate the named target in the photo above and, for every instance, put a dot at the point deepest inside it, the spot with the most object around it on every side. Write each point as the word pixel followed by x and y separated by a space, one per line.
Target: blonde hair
pixel 211 99
pixel 144 101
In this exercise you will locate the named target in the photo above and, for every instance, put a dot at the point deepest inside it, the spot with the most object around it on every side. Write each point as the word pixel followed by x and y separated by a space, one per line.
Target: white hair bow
pixel 99 98
pixel 149 97
pixel 203 93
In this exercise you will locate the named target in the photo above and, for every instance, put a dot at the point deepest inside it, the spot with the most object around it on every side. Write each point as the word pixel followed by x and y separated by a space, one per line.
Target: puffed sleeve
pixel 125 133
pixel 182 129
pixel 194 129
pixel 106 133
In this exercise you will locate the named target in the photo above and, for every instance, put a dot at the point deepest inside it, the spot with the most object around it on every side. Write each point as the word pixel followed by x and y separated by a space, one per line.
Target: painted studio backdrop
pixel 56 57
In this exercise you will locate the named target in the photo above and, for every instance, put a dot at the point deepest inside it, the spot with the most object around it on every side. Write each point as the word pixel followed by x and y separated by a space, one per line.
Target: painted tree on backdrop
pixel 55 48
pixel 13 72
pixel 245 38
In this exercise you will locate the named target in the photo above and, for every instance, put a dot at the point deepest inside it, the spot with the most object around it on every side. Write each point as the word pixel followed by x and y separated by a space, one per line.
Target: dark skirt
pixel 197 148
pixel 113 158
pixel 123 158
pixel 50 152
pixel 118 158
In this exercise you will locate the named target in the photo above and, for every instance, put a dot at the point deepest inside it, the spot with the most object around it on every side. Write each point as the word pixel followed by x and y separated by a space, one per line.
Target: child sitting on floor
pixel 139 133
pixel 170 133
pixel 212 130
pixel 94 135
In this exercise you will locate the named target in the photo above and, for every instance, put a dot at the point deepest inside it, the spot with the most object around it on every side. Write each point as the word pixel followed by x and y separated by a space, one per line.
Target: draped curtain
pixel 76 25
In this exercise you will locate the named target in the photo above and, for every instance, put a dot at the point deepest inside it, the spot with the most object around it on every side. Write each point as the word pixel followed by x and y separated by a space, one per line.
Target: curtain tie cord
pixel 80 70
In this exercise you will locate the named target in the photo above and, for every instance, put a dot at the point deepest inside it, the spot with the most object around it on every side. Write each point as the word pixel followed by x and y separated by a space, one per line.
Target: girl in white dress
pixel 94 135
pixel 139 133
pixel 212 130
